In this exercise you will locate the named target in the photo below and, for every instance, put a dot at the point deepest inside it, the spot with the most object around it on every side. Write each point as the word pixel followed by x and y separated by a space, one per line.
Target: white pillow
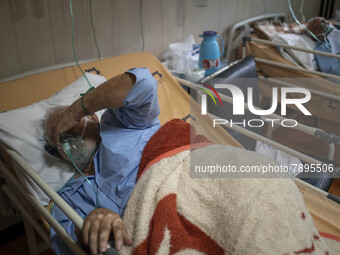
pixel 23 131
pixel 297 40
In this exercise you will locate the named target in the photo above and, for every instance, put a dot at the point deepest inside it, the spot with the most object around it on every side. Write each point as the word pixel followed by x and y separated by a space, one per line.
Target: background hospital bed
pixel 174 103
pixel 276 71
pixel 268 60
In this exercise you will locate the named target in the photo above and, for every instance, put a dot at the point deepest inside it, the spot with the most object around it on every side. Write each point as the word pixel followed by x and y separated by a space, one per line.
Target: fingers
pixel 53 132
pixel 120 234
pixel 127 239
pixel 53 124
pixel 97 228
pixel 59 127
pixel 91 230
pixel 85 231
pixel 93 236
pixel 104 235
pixel 56 139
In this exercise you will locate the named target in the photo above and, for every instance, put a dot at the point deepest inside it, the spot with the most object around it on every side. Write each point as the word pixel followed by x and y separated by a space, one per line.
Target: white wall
pixel 37 33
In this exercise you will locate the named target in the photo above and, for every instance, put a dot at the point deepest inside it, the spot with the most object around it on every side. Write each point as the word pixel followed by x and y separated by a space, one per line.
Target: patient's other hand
pixel 97 228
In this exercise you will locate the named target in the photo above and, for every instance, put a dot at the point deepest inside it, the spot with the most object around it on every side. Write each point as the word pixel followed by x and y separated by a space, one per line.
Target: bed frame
pixel 243 28
pixel 19 193
pixel 30 218
pixel 239 34
pixel 268 62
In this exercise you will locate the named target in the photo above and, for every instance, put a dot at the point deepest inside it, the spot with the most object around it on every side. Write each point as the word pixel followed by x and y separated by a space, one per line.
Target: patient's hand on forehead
pixel 87 128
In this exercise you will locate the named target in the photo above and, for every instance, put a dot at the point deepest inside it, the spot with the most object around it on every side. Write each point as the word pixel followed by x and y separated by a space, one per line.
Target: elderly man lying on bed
pixel 168 211
pixel 328 41
pixel 125 128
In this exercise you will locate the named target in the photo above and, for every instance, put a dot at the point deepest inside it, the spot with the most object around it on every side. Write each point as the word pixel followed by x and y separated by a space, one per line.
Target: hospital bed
pixel 276 71
pixel 18 176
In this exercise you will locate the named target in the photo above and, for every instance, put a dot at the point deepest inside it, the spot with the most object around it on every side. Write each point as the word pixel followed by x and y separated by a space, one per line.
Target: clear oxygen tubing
pixel 68 151
pixel 324 34
pixel 78 171
pixel 310 32
pixel 82 133
pixel 74 51
pixel 82 174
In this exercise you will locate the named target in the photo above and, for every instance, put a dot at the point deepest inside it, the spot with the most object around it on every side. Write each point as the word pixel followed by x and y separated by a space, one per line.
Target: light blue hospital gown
pixel 124 132
pixel 327 64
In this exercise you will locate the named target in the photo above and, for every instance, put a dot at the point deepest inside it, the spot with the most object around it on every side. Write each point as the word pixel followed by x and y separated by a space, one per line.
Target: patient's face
pixel 318 26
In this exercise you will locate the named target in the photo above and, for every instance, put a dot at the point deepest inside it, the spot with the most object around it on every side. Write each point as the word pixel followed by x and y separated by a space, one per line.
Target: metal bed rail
pixel 54 196
pixel 289 67
pixel 41 210
pixel 335 139
pixel 34 248
pixel 276 44
pixel 253 135
pixel 330 139
pixel 237 30
pixel 287 84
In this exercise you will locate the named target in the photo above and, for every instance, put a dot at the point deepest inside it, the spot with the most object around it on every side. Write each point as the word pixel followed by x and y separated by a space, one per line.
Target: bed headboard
pixel 242 28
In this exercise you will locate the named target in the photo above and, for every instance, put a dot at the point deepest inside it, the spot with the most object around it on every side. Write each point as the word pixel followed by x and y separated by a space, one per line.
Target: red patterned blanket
pixel 170 212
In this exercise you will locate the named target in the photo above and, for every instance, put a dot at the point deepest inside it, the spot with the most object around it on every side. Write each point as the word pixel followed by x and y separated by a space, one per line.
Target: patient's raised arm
pixel 110 94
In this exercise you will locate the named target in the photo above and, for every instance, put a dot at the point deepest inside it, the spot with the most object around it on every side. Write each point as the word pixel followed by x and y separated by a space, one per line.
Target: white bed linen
pixel 297 40
pixel 23 131
pixel 280 157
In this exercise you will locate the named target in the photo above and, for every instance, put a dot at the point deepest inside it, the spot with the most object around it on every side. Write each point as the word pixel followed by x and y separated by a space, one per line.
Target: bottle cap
pixel 210 33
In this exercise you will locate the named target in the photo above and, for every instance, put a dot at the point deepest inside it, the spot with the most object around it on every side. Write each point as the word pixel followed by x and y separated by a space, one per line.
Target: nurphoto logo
pixel 204 98
pixel 239 104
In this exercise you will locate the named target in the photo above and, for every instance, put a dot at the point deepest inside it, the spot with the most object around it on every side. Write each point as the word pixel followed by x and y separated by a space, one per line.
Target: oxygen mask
pixel 75 148
pixel 73 145
pixel 327 28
